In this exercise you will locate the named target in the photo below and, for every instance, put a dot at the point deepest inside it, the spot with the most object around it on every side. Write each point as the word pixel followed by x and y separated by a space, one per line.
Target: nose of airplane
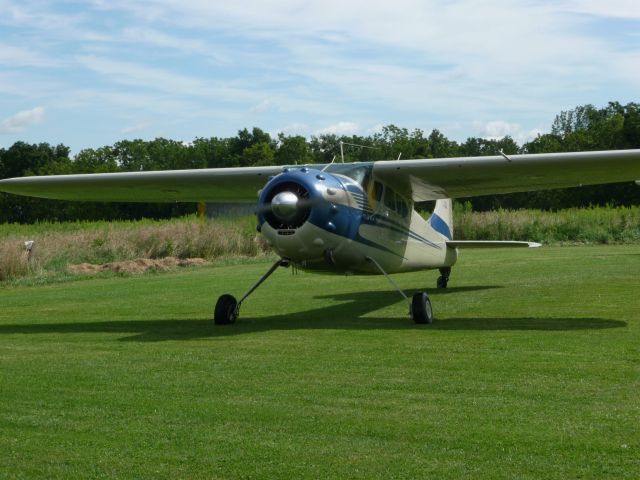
pixel 285 206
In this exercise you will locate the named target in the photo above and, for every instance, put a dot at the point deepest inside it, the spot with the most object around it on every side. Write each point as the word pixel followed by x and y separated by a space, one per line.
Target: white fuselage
pixel 362 223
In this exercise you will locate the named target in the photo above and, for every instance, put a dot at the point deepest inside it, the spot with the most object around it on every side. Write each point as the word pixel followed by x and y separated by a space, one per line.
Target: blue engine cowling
pixel 306 215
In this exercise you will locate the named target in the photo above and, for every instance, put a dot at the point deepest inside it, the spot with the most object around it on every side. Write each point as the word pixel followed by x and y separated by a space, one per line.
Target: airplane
pixel 350 218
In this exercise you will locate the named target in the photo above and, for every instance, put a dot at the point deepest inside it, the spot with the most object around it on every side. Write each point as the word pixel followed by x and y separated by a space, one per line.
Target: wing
pixel 431 179
pixel 421 180
pixel 212 185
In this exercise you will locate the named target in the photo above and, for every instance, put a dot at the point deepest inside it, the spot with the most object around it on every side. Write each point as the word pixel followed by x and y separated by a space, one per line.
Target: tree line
pixel 615 126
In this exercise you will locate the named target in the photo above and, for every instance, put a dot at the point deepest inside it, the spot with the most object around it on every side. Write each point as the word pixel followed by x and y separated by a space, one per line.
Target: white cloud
pixel 263 107
pixel 204 65
pixel 152 78
pixel 138 127
pixel 627 9
pixel 497 129
pixel 340 128
pixel 22 120
pixel 20 83
pixel 156 38
pixel 23 14
pixel 296 128
pixel 13 56
pixel 141 76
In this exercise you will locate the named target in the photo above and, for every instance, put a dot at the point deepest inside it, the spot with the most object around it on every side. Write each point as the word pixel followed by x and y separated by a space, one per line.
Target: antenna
pixel 352 145
pixel 328 165
pixel 505 155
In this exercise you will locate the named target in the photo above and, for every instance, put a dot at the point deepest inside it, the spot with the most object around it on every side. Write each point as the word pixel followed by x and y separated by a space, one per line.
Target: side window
pixel 377 191
pixel 365 182
pixel 403 209
pixel 395 202
pixel 390 199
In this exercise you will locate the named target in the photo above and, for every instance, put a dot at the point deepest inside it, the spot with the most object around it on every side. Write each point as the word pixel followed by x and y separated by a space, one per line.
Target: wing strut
pixel 228 309
pixel 404 295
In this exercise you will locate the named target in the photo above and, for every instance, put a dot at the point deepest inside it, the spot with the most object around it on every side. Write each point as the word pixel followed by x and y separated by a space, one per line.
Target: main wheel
pixel 421 308
pixel 226 310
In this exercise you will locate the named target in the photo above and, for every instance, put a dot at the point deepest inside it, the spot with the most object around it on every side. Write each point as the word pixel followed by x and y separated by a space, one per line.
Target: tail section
pixel 441 219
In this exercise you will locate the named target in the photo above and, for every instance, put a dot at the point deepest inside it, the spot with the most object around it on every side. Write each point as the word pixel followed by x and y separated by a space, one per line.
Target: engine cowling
pixel 307 215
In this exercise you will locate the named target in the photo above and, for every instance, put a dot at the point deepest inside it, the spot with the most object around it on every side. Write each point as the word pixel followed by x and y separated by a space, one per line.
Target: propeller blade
pixel 303 203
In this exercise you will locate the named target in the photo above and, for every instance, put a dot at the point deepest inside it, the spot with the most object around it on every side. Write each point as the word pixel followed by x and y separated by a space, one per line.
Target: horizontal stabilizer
pixel 491 244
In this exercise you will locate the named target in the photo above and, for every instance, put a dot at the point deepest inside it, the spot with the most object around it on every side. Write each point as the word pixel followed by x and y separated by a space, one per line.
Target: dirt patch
pixel 140 265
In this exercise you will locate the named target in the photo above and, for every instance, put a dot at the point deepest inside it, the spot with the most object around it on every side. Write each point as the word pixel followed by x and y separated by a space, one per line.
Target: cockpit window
pixel 360 173
pixel 377 191
pixel 395 202
pixel 390 199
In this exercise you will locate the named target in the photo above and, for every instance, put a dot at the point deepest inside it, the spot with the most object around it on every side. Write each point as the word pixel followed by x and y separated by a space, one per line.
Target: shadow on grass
pixel 348 314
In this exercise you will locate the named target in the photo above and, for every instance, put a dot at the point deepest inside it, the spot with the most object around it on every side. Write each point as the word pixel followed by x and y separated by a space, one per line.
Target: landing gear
pixel 421 308
pixel 228 309
pixel 443 279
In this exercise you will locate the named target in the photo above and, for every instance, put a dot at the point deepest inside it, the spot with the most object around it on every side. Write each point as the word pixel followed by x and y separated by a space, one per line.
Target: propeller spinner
pixel 284 206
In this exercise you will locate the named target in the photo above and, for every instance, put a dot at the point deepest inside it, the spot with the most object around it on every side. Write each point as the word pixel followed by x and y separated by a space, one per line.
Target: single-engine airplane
pixel 350 217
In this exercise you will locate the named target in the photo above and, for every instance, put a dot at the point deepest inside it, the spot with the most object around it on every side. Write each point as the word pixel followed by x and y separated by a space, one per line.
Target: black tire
pixel 421 308
pixel 442 282
pixel 226 310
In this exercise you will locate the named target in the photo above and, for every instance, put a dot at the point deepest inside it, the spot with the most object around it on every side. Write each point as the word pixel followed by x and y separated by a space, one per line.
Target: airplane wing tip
pixel 7 185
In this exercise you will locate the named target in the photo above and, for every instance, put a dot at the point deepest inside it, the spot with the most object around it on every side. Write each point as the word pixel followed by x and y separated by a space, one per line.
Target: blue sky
pixel 90 73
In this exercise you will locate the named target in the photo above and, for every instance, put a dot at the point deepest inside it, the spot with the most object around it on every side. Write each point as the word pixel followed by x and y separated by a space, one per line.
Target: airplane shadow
pixel 349 314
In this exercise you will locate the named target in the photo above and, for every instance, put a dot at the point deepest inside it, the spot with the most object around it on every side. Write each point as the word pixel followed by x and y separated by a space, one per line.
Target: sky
pixel 90 73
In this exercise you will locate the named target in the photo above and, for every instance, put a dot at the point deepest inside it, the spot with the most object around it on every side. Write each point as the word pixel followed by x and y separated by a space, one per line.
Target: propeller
pixel 287 206
pixel 301 203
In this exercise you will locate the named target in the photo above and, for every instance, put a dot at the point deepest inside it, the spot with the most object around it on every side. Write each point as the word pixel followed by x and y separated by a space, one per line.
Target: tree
pixel 292 150
pixel 101 160
pixel 440 146
pixel 132 155
pixel 258 154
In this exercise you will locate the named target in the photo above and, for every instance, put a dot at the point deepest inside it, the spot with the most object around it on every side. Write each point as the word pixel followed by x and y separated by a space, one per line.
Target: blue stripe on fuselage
pixel 346 214
pixel 389 224
pixel 440 226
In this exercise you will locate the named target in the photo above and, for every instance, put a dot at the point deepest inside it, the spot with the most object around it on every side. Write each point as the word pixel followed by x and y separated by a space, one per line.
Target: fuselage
pixel 340 218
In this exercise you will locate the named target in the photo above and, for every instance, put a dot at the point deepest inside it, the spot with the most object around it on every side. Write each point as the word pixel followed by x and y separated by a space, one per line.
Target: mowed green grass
pixel 531 370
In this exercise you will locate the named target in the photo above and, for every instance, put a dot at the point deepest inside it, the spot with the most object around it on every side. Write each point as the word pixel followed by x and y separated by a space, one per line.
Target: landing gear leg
pixel 419 306
pixel 227 308
pixel 443 279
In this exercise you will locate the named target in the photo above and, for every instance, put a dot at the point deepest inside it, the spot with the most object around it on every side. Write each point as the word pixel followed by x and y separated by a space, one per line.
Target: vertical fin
pixel 441 219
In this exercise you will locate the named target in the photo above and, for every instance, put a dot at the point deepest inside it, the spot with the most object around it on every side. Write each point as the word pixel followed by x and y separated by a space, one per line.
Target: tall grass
pixel 58 245
pixel 13 260
pixel 576 225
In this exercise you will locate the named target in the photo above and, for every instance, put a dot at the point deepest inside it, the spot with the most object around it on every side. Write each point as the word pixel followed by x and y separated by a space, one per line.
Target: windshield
pixel 358 172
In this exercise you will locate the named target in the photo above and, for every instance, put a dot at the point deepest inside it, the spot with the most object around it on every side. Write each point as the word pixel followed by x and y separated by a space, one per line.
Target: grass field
pixel 531 370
